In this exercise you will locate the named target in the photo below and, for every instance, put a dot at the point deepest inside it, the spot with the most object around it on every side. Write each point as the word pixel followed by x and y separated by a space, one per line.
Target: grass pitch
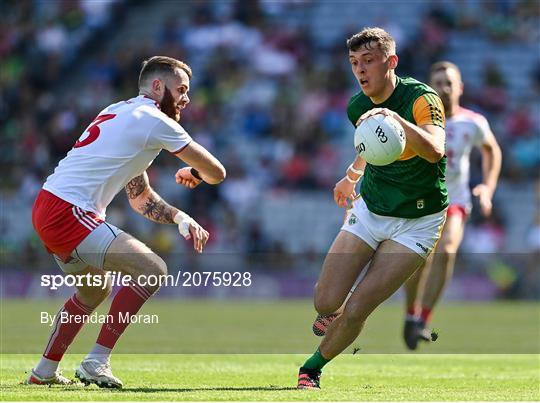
pixel 278 327
pixel 501 339
pixel 258 377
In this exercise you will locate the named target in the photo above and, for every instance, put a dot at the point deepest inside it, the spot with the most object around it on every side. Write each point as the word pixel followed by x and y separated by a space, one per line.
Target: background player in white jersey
pixel 69 212
pixel 465 129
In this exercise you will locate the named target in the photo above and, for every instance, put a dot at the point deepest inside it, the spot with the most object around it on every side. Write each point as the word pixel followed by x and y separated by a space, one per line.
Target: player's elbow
pixel 435 156
pixel 135 205
pixel 495 151
pixel 215 175
pixel 137 202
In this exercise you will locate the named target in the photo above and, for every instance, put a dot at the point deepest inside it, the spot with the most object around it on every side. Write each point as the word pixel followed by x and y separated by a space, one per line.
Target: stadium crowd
pixel 266 97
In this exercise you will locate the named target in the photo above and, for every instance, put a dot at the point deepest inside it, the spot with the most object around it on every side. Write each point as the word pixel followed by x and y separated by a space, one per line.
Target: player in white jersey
pixel 69 213
pixel 464 130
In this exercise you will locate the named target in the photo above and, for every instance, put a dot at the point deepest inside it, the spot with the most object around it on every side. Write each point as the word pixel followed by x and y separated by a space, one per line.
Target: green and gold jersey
pixel 410 187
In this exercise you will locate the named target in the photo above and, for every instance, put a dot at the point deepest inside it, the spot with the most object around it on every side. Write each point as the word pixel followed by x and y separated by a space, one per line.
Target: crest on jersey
pixel 420 204
pixel 352 219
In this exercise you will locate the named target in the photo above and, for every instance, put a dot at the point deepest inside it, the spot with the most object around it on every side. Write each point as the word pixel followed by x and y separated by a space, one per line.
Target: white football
pixel 379 140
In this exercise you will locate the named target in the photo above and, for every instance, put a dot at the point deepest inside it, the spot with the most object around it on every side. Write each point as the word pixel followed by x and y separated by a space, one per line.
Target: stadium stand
pixel 271 82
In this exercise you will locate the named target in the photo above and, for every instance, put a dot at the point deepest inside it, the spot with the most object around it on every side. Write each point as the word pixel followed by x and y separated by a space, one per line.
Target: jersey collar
pixel 147 99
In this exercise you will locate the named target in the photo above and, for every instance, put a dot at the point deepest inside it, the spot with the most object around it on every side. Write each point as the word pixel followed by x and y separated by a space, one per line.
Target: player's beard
pixel 168 106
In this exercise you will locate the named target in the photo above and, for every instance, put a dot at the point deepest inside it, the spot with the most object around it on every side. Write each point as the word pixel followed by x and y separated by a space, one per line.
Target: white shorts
pixel 418 234
pixel 91 251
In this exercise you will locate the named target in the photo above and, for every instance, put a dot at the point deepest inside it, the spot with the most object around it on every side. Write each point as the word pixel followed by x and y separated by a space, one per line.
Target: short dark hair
pixel 443 66
pixel 367 35
pixel 161 65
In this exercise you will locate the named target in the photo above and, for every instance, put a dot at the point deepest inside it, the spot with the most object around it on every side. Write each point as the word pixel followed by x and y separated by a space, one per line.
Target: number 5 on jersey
pixel 93 130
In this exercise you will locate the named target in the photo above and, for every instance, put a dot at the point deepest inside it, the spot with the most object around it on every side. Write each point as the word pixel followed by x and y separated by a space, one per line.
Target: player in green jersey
pixel 397 220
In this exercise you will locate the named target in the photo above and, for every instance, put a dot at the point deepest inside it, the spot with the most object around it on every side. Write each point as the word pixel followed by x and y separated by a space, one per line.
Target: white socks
pixel 411 317
pixel 46 368
pixel 99 353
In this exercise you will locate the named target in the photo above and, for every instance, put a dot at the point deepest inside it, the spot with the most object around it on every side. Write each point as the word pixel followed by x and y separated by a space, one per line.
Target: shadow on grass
pixel 222 388
pixel 78 388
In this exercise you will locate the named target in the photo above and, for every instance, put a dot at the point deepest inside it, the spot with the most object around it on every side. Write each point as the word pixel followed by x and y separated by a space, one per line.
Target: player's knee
pixel 450 250
pixel 158 267
pixel 154 270
pixel 152 265
pixel 447 250
pixel 325 305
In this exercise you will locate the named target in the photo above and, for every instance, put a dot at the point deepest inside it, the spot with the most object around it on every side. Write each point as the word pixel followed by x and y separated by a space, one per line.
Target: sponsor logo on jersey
pixel 422 247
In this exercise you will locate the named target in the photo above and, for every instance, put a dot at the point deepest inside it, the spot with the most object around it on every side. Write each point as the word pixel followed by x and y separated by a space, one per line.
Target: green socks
pixel 316 361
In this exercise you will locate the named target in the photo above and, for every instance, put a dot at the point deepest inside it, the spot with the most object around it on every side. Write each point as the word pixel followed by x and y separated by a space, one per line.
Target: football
pixel 379 140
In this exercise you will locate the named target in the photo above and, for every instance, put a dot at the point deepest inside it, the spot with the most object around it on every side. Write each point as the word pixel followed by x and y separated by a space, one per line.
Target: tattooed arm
pixel 144 200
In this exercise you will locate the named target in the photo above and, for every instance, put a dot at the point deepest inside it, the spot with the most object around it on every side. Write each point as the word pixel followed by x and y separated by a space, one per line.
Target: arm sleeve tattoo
pixel 136 186
pixel 158 210
pixel 151 206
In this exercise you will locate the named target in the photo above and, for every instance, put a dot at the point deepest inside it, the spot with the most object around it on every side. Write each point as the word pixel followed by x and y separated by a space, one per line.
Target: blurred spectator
pixel 497 22
pixel 53 39
pixel 493 96
pixel 520 122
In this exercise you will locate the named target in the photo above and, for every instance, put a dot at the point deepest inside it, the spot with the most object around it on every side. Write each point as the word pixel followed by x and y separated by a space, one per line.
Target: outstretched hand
pixel 185 178
pixel 199 234
pixel 189 228
pixel 343 191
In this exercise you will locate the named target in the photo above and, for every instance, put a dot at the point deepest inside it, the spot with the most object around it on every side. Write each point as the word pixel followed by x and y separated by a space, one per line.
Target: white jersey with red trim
pixel 117 146
pixel 464 130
